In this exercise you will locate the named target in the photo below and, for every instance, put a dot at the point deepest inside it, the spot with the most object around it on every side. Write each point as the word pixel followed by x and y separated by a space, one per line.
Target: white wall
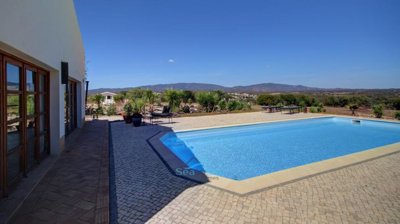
pixel 46 32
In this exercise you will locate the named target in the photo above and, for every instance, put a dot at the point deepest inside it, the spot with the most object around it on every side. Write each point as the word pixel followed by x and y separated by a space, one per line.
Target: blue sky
pixel 321 43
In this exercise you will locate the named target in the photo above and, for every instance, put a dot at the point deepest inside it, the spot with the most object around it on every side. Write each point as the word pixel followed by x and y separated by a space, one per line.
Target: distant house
pixel 108 98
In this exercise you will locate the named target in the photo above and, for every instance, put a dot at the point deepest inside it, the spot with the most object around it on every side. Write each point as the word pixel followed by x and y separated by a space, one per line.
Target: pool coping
pixel 266 181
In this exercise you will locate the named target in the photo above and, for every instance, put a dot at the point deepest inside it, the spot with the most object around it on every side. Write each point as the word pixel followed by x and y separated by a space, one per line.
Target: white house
pixel 38 107
pixel 108 98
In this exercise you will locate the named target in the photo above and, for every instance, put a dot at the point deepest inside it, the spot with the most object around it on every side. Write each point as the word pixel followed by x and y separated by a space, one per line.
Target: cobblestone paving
pixel 145 191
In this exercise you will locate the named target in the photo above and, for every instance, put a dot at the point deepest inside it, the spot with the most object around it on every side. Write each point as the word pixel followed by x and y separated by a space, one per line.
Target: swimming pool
pixel 243 152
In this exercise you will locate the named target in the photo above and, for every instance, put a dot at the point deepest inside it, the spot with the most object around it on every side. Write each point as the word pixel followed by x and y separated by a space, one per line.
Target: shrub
pixel 222 105
pixel 111 110
pixel 138 106
pixel 397 115
pixel 232 105
pixel 128 109
pixel 186 109
pixel 99 111
pixel 313 109
pixel 377 110
pixel 188 96
pixel 317 109
pixel 237 105
pixel 207 100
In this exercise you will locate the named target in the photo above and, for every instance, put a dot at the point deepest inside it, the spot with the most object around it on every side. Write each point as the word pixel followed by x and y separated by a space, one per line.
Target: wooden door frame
pixel 22 92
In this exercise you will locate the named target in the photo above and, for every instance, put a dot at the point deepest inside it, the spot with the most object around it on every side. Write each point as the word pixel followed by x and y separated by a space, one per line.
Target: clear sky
pixel 320 43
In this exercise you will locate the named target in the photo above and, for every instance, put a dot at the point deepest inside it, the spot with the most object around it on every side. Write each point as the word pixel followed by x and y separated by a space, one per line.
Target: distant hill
pixel 273 87
pixel 185 86
pixel 257 88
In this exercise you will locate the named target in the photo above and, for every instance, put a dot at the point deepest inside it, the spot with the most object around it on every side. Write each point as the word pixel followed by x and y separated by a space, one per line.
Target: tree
pixel 353 108
pixel 378 110
pixel 331 101
pixel 119 98
pixel 396 103
pixel 343 101
pixel 305 99
pixel 267 99
pixel 188 96
pixel 397 115
pixel 173 98
pixel 135 93
pixel 289 99
pixel 97 99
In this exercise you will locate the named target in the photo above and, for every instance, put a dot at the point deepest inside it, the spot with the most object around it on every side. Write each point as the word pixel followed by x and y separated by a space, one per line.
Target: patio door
pixel 24 127
pixel 14 119
pixel 70 106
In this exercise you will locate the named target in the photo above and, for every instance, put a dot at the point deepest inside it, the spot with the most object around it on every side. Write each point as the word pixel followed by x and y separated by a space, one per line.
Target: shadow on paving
pixel 69 192
pixel 141 184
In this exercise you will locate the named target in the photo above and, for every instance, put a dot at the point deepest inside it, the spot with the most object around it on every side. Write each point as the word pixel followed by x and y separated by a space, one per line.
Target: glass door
pixel 43 111
pixel 15 122
pixel 3 154
pixel 70 107
pixel 32 117
pixel 24 119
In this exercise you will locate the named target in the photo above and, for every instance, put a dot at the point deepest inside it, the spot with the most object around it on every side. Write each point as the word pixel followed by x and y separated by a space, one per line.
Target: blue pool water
pixel 247 151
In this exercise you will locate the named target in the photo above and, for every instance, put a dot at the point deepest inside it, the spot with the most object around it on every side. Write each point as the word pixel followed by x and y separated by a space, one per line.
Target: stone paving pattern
pixel 72 191
pixel 145 190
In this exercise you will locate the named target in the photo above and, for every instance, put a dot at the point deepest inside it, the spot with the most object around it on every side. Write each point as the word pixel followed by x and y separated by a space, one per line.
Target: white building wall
pixel 46 32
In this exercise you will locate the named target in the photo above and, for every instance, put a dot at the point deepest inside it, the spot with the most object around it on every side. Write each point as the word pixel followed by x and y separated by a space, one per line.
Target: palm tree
pixel 149 97
pixel 98 98
pixel 173 97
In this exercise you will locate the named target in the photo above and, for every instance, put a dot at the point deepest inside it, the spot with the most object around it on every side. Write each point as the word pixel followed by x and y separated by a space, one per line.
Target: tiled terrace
pixel 75 190
pixel 144 190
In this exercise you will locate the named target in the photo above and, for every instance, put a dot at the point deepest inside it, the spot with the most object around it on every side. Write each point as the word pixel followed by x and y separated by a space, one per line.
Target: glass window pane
pixel 13 107
pixel 44 144
pixel 31 152
pixel 30 80
pixel 41 83
pixel 42 125
pixel 13 77
pixel 30 104
pixel 42 103
pixel 30 128
pixel 13 135
pixel 13 166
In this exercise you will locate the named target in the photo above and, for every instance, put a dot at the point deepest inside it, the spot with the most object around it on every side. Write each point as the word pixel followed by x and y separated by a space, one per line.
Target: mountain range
pixel 256 88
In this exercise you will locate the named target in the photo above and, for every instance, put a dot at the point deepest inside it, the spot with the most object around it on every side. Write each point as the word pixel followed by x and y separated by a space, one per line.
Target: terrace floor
pixel 75 189
pixel 144 190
